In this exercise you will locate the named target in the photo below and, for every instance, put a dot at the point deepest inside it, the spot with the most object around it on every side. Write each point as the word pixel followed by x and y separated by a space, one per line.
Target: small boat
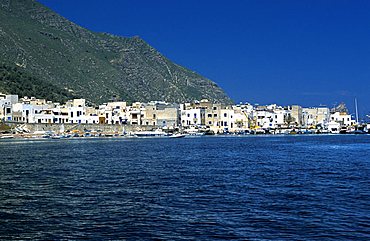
pixel 6 137
pixel 258 131
pixel 156 133
pixel 178 135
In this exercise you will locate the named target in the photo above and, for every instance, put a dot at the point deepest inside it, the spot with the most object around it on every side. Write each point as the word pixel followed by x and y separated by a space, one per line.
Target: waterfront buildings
pixel 204 115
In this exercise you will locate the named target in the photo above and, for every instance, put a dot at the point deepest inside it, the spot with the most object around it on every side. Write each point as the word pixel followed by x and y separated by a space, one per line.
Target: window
pixel 215 115
pixel 225 115
pixel 214 108
pixel 209 115
pixel 188 115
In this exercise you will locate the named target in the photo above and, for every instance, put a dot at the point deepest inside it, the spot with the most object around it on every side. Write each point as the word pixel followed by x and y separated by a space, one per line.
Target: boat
pixel 178 135
pixel 6 136
pixel 258 131
pixel 196 133
pixel 334 127
pixel 156 133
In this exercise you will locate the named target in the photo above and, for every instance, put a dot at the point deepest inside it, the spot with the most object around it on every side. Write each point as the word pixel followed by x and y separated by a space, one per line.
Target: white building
pixel 227 120
pixel 271 117
pixel 192 117
pixel 6 102
pixel 342 118
pixel 76 111
pixel 134 113
pixel 35 111
pixel 23 112
pixel 92 115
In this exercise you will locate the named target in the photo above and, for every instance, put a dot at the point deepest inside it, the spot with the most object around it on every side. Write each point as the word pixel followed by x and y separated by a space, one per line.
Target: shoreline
pixel 128 137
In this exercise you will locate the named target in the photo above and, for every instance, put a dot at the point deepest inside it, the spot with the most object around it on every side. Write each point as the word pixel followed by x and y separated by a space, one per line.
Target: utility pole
pixel 356 111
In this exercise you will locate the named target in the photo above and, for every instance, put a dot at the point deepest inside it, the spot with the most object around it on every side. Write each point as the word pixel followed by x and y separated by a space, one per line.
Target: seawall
pixel 83 127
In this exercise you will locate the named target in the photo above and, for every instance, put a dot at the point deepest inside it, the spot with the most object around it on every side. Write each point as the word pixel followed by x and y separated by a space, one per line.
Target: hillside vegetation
pixel 50 50
pixel 15 80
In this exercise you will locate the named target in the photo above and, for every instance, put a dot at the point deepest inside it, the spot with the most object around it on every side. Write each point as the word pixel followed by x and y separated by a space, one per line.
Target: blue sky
pixel 285 52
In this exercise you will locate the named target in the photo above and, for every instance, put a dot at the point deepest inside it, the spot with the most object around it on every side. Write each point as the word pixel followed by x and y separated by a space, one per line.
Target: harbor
pixel 62 131
pixel 31 118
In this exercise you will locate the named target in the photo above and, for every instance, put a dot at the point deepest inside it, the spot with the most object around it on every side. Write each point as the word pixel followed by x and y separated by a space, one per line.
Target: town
pixel 195 118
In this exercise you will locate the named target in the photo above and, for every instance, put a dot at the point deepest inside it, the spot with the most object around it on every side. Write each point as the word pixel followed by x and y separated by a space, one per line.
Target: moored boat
pixel 178 135
pixel 6 136
pixel 156 133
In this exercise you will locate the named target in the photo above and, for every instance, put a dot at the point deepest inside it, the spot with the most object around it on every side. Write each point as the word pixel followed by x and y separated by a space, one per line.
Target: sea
pixel 307 187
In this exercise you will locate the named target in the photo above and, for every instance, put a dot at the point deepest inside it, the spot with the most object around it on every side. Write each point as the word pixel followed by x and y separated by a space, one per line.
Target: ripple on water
pixel 301 188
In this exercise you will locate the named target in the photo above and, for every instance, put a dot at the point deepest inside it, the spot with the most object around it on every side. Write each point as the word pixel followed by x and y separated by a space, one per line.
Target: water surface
pixel 208 188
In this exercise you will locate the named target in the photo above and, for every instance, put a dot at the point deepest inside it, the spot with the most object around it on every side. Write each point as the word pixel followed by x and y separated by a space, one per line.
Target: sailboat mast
pixel 356 111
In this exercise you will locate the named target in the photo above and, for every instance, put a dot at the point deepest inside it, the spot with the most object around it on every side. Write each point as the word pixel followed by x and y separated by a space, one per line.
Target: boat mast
pixel 356 111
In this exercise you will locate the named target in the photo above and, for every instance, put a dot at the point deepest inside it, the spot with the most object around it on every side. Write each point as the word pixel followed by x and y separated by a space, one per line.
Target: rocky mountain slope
pixel 46 47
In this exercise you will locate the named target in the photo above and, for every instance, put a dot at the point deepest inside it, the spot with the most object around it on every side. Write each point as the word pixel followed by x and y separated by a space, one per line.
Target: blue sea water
pixel 208 188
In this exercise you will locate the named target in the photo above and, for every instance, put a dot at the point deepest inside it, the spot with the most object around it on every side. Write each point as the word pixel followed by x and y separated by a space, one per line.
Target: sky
pixel 309 53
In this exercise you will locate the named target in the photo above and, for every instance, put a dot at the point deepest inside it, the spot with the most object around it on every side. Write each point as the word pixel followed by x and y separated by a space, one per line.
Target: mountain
pixel 48 50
